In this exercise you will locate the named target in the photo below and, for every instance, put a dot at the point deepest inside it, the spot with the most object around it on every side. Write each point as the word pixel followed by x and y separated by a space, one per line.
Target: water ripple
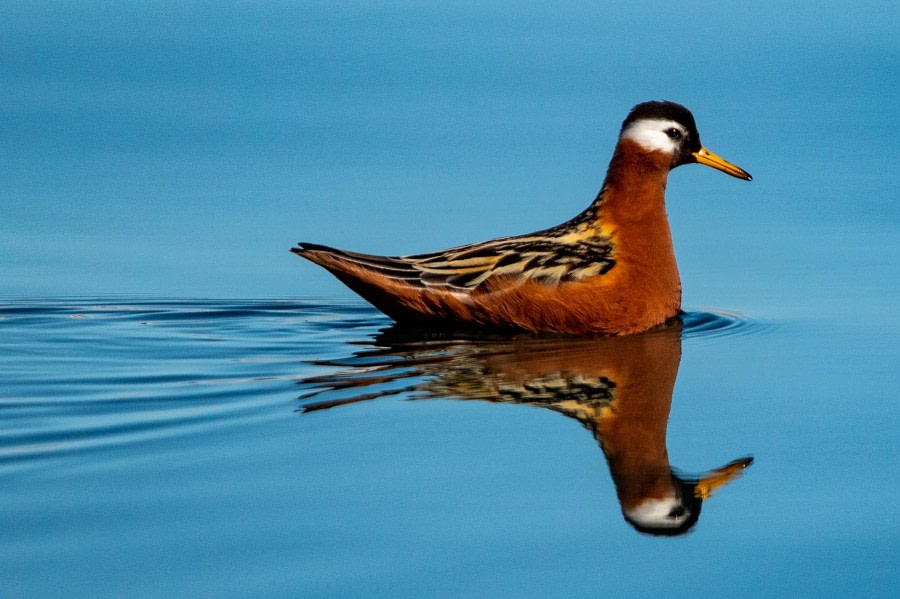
pixel 720 323
pixel 83 374
pixel 103 373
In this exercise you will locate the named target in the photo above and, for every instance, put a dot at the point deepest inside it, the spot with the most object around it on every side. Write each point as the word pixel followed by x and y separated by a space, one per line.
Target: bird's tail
pixel 304 248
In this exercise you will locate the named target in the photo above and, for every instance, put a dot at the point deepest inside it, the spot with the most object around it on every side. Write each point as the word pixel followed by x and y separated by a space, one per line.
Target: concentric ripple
pixel 719 323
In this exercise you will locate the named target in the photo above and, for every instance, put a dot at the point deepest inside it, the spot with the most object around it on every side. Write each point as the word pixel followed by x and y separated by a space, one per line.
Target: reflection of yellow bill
pixel 704 156
pixel 727 473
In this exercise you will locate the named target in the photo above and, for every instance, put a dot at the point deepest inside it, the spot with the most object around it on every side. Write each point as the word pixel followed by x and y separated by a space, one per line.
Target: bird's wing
pixel 469 268
pixel 540 258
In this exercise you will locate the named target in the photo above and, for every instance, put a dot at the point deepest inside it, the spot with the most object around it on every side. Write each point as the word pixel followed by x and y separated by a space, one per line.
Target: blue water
pixel 309 447
pixel 178 150
pixel 302 446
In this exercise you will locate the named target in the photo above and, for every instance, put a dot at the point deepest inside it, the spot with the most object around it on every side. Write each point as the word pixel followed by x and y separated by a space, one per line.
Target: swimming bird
pixel 610 270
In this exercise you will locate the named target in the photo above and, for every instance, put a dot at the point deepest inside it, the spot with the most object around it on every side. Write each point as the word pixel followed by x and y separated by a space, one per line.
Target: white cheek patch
pixel 651 134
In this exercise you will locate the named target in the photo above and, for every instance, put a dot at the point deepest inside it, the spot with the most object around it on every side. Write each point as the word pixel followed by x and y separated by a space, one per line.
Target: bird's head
pixel 669 128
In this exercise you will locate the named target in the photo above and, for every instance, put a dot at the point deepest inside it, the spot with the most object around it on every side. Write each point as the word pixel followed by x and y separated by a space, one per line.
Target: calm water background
pixel 151 150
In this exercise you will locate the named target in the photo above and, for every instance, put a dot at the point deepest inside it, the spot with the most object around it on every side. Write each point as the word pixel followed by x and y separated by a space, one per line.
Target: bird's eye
pixel 673 133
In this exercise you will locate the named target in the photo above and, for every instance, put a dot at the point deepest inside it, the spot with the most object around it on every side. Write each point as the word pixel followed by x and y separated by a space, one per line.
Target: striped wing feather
pixel 468 268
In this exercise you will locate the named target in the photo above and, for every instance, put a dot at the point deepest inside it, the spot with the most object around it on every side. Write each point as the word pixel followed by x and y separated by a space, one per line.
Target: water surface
pixel 284 447
pixel 305 447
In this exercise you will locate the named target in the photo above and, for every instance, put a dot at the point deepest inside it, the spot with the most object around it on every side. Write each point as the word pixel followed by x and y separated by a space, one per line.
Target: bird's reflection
pixel 619 388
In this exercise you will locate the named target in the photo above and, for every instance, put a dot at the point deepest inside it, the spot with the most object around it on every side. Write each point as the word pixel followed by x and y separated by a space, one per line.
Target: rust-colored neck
pixel 634 192
pixel 631 211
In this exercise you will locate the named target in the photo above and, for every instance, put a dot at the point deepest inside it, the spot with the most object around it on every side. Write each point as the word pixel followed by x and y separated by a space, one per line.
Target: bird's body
pixel 609 270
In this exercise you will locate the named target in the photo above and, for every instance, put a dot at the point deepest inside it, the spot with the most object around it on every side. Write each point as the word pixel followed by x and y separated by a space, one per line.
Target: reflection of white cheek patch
pixel 654 513
pixel 651 134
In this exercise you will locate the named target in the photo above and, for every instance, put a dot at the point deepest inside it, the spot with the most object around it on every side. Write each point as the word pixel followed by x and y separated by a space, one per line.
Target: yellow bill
pixel 704 156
